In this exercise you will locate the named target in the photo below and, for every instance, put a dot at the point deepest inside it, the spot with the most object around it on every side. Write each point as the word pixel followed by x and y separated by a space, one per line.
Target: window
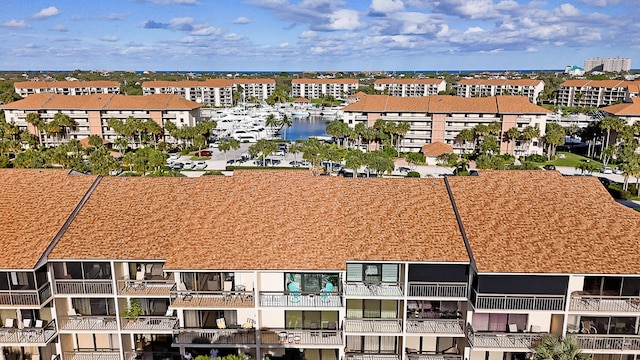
pixel 296 319
pixel 373 272
pixel 311 282
pixel 498 322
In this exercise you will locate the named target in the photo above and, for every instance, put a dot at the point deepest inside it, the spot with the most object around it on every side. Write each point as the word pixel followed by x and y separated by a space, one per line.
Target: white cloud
pixel 172 2
pixel 46 13
pixel 179 22
pixel 343 19
pixel 15 24
pixel 308 34
pixel 233 37
pixel 386 6
pixel 242 20
pixel 109 38
pixel 60 28
pixel 113 16
pixel 567 10
pixel 474 29
pixel 601 3
pixel 207 31
pixel 531 49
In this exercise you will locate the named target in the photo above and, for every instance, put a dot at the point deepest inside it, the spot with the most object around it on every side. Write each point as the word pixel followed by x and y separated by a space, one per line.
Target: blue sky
pixel 320 35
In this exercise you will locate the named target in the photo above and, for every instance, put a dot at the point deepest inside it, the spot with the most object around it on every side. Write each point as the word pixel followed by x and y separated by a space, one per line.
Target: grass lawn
pixel 571 160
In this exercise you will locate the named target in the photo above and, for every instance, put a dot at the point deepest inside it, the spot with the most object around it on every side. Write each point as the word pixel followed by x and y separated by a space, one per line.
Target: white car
pixel 174 156
pixel 606 170
pixel 200 165
pixel 188 165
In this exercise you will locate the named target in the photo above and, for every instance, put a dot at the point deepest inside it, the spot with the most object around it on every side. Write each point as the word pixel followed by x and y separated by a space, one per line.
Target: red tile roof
pixel 500 82
pixel 436 149
pixel 65 84
pixel 103 101
pixel 624 109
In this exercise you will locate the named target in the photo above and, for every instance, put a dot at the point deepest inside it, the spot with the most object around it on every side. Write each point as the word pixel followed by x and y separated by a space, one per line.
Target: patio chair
pixel 513 328
pixel 8 323
pixel 325 292
pixel 221 323
pixel 26 323
pixel 294 290
pixel 39 324
pixel 314 326
pixel 331 329
pixel 227 287
pixel 248 324
pixel 184 292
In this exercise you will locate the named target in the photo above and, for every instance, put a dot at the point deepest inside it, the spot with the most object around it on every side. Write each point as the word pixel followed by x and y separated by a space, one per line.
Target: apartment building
pixel 410 87
pixel 92 112
pixel 529 88
pixel 254 88
pixel 442 117
pixel 317 88
pixel 629 112
pixel 26 88
pixel 481 279
pixel 617 64
pixel 596 93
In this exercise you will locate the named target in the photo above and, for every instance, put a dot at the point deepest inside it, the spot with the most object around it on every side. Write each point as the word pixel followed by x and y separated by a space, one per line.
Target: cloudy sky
pixel 321 35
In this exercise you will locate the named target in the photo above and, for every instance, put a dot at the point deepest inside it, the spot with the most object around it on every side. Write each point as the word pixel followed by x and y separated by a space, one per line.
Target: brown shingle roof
pixel 252 221
pixel 542 222
pixel 594 83
pixel 31 102
pixel 436 148
pixel 188 83
pixel 624 108
pixel 103 101
pixel 254 81
pixel 518 105
pixel 35 205
pixel 512 82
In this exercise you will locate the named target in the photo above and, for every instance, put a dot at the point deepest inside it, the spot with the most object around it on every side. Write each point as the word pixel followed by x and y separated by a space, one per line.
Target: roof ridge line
pixel 43 259
pixel 472 261
pixel 47 100
pixel 104 106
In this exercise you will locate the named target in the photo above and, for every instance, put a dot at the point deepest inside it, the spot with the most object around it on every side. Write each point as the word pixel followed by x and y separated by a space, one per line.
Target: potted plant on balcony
pixel 134 309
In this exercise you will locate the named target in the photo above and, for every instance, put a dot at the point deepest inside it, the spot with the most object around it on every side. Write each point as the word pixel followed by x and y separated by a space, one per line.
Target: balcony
pixel 426 356
pixel 380 326
pixel 288 337
pixel 209 337
pixel 29 298
pixel 150 323
pixel 88 323
pixel 66 286
pixel 609 342
pixel 142 288
pixel 365 356
pixel 519 302
pixel 445 290
pixel 373 289
pixel 300 299
pixel 31 336
pixel 210 299
pixel 436 326
pixel 521 341
pixel 92 354
pixel 583 302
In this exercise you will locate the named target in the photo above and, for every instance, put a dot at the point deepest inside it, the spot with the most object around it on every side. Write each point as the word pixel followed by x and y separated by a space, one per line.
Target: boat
pixel 299 113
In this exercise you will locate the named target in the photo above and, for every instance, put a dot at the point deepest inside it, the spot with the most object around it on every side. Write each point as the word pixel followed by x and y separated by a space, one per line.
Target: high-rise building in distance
pixel 616 64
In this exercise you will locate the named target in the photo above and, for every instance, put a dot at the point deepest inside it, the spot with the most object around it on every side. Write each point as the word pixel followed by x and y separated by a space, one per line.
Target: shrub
pixel 413 174
pixel 536 158
pixel 616 191
pixel 213 172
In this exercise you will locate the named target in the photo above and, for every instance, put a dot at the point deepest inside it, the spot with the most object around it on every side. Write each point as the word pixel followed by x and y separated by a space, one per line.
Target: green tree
pixel 610 123
pixel 95 141
pixel 529 133
pixel 490 145
pixel 338 130
pixel 295 148
pixel 354 159
pixel 402 128
pixel 554 136
pixel 414 158
pixel 263 148
pixel 379 161
pixel 285 122
pixel 37 123
pixel 102 161
pixel 553 348
pixel 30 158
pixel 466 136
pixel 272 122
pixel 511 135
pixel 64 121
pixel 224 146
pixel 313 151
pixel 488 161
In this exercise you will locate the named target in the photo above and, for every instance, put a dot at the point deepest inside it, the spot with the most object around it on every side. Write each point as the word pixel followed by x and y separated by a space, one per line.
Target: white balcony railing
pixel 609 342
pixel 377 289
pixel 373 325
pixel 522 341
pixel 65 286
pixel 435 326
pixel 215 336
pixel 608 304
pixel 432 289
pixel 35 336
pixel 92 354
pixel 300 299
pixel 519 302
pixel 145 287
pixel 293 337
pixel 92 323
pixel 150 323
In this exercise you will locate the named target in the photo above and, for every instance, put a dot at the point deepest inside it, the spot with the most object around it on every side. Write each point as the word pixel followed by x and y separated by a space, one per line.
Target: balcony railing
pixel 419 356
pixel 609 342
pixel 142 354
pixel 294 337
pixel 581 302
pixel 211 299
pixel 373 325
pixel 25 297
pixel 502 340
pixel 377 289
pixel 300 299
pixel 215 336
pixel 65 286
pixel 159 323
pixel 145 287
pixel 365 356
pixel 431 289
pixel 39 336
pixel 435 326
pixel 519 302
pixel 92 323
pixel 92 354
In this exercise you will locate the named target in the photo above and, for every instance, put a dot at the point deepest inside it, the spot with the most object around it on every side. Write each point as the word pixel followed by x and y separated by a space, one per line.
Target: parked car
pixel 403 169
pixel 604 181
pixel 115 172
pixel 176 166
pixel 618 171
pixel 203 153
pixel 200 165
pixel 174 156
pixel 549 167
pixel 606 170
pixel 188 165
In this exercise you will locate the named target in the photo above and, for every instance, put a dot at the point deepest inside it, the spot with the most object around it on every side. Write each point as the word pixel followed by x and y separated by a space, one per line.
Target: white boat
pixel 299 113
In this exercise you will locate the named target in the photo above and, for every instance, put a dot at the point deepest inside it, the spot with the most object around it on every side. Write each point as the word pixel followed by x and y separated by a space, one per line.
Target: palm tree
pixel 554 348
pixel 285 122
pixel 354 159
pixel 64 121
pixel 37 123
pixel 224 146
pixel 512 134
pixel 465 136
pixel 402 128
pixel 272 122
pixel 610 123
pixel 529 133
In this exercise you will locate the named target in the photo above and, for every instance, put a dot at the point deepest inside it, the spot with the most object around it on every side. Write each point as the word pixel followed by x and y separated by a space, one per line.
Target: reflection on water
pixel 303 127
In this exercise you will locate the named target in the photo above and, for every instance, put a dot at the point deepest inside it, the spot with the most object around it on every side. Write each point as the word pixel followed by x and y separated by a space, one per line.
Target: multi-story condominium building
pixel 211 92
pixel 441 117
pixel 317 88
pixel 629 112
pixel 92 112
pixel 26 88
pixel 410 87
pixel 491 87
pixel 617 64
pixel 254 88
pixel 320 278
pixel 596 93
